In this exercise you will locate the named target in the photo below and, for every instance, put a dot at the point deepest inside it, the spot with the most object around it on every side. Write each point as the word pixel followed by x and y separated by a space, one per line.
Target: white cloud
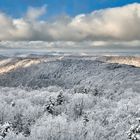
pixel 119 24
pixel 69 44
pixel 34 13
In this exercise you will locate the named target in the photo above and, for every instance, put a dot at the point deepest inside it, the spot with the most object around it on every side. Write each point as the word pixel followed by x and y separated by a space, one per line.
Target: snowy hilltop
pixel 68 97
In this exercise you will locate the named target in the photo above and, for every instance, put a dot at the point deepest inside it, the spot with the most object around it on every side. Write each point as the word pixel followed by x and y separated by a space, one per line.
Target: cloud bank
pixel 119 24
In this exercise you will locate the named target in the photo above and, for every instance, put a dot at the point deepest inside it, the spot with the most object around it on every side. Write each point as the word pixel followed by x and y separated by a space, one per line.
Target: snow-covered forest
pixel 68 97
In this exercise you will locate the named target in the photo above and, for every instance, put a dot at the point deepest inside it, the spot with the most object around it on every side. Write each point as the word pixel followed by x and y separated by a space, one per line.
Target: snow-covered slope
pixel 129 60
pixel 68 72
pixel 99 99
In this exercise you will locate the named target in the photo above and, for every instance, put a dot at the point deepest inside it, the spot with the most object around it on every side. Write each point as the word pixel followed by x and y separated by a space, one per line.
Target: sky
pixel 17 8
pixel 95 23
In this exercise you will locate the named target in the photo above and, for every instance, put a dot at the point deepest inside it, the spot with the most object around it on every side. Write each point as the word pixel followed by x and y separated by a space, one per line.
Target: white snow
pixel 106 94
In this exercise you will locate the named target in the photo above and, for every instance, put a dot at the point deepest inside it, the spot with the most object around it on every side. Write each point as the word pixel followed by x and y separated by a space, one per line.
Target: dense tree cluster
pixel 56 113
pixel 134 132
pixel 71 99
